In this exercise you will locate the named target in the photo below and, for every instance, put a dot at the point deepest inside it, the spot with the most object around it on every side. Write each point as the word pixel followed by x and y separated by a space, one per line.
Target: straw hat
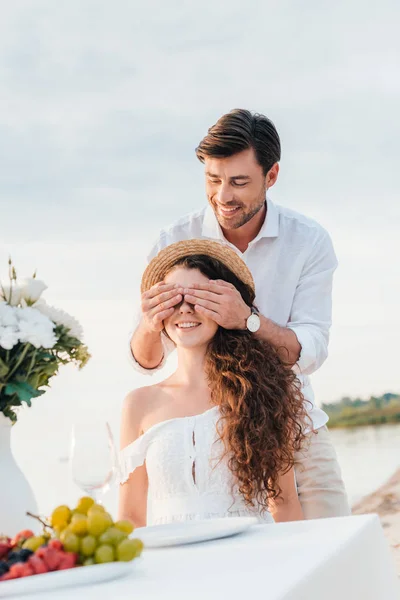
pixel 166 258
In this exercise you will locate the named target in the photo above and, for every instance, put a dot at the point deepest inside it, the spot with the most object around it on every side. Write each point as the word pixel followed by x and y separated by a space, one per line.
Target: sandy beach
pixel 385 501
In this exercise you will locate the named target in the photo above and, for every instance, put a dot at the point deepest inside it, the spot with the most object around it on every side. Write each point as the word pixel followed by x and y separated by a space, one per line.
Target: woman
pixel 216 438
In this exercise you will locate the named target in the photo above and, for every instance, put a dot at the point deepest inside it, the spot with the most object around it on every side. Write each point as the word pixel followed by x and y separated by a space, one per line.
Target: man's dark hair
pixel 239 130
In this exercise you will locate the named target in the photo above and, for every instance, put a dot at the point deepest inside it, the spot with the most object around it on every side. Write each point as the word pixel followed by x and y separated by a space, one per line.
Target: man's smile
pixel 228 211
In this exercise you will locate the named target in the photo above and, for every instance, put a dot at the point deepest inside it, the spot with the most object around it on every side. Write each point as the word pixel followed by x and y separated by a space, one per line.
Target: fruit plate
pixel 68 577
pixel 189 532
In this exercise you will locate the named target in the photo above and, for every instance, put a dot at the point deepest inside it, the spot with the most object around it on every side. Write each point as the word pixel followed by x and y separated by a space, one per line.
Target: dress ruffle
pixel 131 457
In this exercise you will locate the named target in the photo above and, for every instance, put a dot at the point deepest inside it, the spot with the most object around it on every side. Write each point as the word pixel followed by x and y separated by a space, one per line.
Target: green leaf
pixel 8 412
pixel 3 368
pixel 49 369
pixel 23 390
pixel 14 400
pixel 43 355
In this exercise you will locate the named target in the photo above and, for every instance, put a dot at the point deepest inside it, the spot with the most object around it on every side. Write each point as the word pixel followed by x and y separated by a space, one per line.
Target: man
pixel 292 261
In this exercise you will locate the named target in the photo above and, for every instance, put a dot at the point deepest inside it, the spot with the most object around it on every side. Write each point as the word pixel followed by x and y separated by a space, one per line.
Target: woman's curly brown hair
pixel 263 415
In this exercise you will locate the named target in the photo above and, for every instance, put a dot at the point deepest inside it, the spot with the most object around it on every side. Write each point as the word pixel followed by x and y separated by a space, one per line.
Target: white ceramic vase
pixel 16 495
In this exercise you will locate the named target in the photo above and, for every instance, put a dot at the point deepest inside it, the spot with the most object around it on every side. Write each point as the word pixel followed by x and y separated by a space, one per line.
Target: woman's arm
pixel 133 493
pixel 287 506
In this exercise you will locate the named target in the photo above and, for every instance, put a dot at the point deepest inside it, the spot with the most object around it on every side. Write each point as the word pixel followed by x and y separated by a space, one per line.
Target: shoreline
pixel 346 426
pixel 385 501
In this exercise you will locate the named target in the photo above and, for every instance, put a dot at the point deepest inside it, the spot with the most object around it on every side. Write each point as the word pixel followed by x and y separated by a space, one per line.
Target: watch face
pixel 253 323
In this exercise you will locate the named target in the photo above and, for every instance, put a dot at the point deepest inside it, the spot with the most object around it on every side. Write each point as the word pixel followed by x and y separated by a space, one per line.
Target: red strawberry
pixel 52 558
pixel 17 570
pixel 38 565
pixel 27 570
pixel 5 547
pixel 56 544
pixel 41 552
pixel 68 561
pixel 7 576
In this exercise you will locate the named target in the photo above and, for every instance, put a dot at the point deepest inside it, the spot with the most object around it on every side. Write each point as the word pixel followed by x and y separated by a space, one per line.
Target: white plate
pixel 189 532
pixel 66 578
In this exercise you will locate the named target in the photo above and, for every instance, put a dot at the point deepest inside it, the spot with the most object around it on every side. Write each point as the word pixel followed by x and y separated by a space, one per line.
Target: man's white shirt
pixel 292 261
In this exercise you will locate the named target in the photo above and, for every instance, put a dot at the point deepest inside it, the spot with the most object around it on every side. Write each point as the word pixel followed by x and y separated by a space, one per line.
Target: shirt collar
pixel 270 228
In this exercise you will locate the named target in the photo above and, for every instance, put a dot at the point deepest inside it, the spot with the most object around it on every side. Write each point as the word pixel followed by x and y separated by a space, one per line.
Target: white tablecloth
pixel 328 559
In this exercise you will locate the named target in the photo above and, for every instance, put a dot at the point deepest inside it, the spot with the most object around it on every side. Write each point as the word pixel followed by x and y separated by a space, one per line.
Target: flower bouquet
pixel 35 339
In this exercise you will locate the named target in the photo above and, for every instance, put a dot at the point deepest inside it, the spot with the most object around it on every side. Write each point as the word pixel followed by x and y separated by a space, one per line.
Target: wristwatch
pixel 253 322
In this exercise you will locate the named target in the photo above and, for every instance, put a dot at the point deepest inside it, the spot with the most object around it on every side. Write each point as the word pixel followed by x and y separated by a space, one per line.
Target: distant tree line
pixel 354 412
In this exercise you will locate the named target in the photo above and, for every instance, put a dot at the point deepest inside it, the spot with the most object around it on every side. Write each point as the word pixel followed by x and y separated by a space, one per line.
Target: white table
pixel 327 559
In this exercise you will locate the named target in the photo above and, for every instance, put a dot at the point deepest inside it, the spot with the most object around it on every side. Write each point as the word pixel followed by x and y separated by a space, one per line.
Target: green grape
pixel 88 545
pixel 112 536
pixel 125 526
pixel 79 524
pixel 58 530
pixel 69 540
pixel 89 561
pixel 104 554
pixel 98 522
pixel 34 542
pixel 129 549
pixel 105 538
pixel 95 508
pixel 84 504
pixel 60 516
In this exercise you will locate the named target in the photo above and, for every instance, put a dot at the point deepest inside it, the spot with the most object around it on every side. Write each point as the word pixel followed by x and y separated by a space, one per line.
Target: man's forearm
pixel 282 338
pixel 146 347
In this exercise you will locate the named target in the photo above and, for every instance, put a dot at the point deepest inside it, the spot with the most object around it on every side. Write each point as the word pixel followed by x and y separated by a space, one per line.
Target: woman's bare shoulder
pixel 137 405
pixel 141 401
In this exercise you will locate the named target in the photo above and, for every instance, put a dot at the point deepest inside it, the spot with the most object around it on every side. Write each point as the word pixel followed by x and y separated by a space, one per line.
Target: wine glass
pixel 92 458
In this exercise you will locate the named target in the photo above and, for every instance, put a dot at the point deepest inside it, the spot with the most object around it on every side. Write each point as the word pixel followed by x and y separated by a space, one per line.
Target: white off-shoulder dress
pixel 186 476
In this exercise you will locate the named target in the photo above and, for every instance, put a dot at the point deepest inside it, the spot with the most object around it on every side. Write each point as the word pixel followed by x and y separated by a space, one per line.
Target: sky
pixel 101 107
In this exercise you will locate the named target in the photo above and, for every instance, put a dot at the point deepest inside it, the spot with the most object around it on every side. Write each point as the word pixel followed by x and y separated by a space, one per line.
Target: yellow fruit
pixel 95 508
pixel 129 549
pixel 112 536
pixel 88 545
pixel 78 524
pixel 84 504
pixel 69 540
pixel 104 554
pixel 98 522
pixel 125 526
pixel 58 530
pixel 60 516
pixel 88 561
pixel 34 542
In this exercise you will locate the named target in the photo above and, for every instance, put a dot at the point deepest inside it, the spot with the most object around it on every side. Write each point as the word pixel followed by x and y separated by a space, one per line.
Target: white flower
pixel 60 317
pixel 31 289
pixel 11 293
pixel 35 328
pixel 8 315
pixel 8 337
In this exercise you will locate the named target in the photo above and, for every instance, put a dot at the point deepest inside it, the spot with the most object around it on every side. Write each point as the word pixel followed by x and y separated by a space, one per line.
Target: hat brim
pixel 166 258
